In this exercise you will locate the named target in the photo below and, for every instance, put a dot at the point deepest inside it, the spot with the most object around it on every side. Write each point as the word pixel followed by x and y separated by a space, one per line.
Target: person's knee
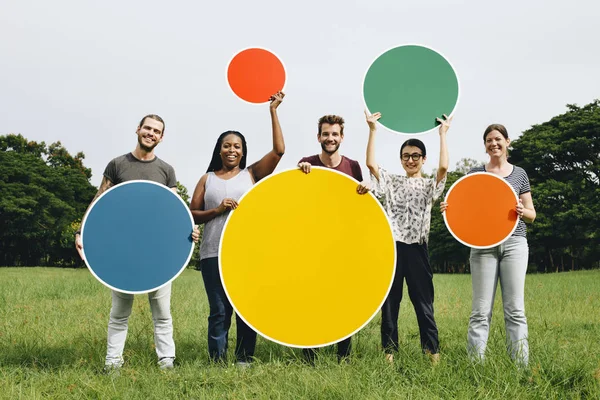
pixel 515 315
pixel 160 308
pixel 161 312
pixel 116 321
pixel 218 311
pixel 163 320
pixel 479 316
pixel 388 326
pixel 120 314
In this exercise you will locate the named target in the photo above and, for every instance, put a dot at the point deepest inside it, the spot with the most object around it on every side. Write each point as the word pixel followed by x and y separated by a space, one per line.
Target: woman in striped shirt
pixel 506 262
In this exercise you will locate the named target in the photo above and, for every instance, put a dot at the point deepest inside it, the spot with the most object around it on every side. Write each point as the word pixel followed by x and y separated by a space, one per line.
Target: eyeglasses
pixel 414 156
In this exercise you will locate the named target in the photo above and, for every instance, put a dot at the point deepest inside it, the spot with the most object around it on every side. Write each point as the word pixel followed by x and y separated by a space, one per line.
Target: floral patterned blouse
pixel 407 203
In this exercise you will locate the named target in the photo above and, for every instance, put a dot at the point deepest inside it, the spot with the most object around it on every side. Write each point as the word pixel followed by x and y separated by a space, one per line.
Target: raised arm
pixel 443 167
pixel 201 215
pixel 266 165
pixel 104 186
pixel 371 162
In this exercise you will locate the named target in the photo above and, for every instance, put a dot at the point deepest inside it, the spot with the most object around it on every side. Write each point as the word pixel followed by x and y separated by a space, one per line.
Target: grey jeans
pixel 160 305
pixel 508 263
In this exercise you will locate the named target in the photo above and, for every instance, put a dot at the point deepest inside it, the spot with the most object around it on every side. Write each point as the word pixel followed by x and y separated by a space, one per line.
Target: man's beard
pixel 147 149
pixel 324 147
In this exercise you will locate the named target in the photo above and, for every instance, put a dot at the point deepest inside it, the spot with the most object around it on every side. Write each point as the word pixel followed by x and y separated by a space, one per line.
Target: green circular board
pixel 410 86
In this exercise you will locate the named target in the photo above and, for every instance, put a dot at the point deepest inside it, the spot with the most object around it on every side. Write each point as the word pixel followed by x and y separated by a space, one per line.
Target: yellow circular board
pixel 305 260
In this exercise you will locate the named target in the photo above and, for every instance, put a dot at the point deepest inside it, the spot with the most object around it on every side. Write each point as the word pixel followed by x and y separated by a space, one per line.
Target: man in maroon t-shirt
pixel 330 136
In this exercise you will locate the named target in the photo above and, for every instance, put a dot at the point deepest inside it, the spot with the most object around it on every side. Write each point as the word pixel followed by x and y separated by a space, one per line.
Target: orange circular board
pixel 255 74
pixel 481 210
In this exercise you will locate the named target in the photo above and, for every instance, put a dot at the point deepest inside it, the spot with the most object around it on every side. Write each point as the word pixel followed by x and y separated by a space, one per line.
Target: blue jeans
pixel 507 263
pixel 219 319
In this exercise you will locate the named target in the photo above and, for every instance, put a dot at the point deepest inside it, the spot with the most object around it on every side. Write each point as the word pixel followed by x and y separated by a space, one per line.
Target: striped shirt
pixel 519 181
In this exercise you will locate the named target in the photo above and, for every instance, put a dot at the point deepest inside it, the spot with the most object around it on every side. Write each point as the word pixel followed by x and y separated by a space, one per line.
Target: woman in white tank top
pixel 216 194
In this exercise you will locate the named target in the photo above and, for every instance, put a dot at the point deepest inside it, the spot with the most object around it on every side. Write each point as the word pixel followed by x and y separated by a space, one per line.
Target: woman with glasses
pixel 407 201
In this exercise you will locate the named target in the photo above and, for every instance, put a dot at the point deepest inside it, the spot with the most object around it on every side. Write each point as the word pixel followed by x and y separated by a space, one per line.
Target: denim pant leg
pixel 160 305
pixel 245 342
pixel 219 318
pixel 344 348
pixel 484 278
pixel 117 327
pixel 513 268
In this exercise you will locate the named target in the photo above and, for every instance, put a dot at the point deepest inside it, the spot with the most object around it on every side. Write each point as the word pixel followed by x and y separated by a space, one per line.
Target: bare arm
pixel 201 215
pixel 525 208
pixel 443 166
pixel 266 165
pixel 371 162
pixel 104 186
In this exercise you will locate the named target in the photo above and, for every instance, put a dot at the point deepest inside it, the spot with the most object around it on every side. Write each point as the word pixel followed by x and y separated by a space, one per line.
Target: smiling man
pixel 140 164
pixel 331 135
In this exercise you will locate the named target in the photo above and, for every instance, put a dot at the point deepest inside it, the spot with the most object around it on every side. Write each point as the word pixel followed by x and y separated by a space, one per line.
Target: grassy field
pixel 53 338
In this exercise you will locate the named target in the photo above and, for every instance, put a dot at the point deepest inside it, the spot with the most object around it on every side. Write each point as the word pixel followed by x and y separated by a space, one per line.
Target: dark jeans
pixel 219 319
pixel 343 351
pixel 412 263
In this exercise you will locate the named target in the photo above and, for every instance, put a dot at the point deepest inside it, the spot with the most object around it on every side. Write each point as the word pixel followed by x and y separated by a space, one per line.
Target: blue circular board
pixel 137 237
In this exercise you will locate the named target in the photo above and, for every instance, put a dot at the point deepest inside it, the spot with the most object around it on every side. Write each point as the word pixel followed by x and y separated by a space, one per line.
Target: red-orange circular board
pixel 255 74
pixel 481 210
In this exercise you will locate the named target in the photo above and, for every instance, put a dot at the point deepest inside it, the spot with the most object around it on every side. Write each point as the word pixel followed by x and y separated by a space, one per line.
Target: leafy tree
pixel 44 190
pixel 183 193
pixel 562 159
pixel 446 253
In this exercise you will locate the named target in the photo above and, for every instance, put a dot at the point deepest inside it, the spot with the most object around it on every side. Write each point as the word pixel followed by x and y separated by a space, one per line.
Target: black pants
pixel 412 263
pixel 343 351
pixel 219 318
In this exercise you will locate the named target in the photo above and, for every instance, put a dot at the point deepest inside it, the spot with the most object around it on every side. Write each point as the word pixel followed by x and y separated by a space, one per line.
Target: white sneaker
pixel 166 363
pixel 112 369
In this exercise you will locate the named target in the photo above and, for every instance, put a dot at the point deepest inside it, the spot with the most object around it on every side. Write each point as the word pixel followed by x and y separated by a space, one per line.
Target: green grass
pixel 53 338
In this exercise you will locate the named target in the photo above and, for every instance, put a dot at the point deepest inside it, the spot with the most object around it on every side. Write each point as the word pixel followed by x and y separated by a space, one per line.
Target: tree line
pixel 44 192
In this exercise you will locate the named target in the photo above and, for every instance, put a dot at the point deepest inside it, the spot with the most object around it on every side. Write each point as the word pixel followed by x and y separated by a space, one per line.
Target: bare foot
pixel 389 358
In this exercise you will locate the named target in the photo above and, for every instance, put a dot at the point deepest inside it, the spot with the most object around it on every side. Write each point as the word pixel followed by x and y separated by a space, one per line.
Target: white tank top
pixel 217 189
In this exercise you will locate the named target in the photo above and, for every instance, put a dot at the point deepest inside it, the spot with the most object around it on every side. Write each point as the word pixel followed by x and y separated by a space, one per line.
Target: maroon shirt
pixel 347 166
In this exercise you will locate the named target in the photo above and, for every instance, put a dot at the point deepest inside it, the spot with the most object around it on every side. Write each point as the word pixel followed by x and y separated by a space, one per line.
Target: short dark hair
pixel 331 120
pixel 495 127
pixel 416 143
pixel 216 163
pixel 154 117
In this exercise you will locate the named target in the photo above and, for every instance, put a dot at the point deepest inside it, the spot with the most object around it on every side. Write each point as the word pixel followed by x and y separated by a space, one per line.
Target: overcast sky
pixel 85 72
